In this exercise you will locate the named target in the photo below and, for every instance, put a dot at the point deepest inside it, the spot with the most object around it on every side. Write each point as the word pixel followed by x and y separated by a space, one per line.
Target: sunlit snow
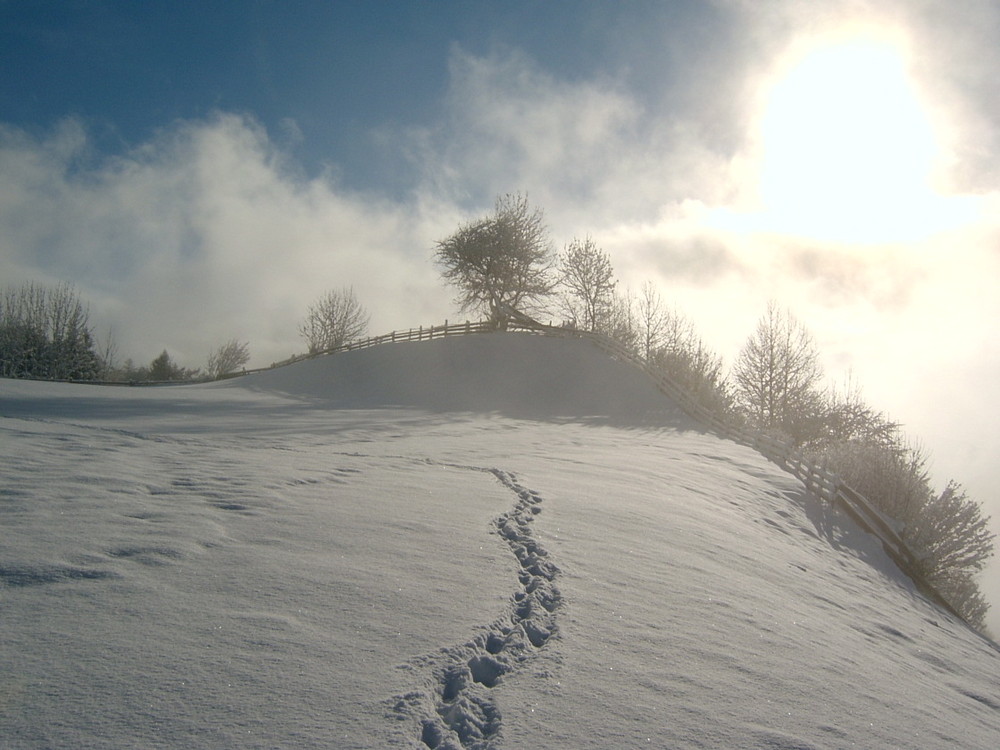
pixel 496 541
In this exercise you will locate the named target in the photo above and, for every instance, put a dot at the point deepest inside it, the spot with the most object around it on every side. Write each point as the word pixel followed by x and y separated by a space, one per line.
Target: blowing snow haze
pixel 489 541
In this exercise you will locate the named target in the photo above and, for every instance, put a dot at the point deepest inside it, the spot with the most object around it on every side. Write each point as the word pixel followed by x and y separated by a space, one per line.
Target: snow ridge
pixel 456 711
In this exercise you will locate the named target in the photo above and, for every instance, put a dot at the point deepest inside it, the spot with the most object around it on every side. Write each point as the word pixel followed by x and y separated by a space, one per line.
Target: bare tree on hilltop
pixel 588 281
pixel 502 261
pixel 657 327
pixel 776 375
pixel 333 320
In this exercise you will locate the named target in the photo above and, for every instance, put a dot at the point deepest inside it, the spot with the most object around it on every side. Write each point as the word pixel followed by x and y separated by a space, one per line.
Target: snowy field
pixel 499 541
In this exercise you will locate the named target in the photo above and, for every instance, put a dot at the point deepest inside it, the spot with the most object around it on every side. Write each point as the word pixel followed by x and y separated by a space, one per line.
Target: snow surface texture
pixel 484 542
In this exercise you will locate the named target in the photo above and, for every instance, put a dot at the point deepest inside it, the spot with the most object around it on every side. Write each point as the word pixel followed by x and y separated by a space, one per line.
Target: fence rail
pixel 818 480
pixel 413 334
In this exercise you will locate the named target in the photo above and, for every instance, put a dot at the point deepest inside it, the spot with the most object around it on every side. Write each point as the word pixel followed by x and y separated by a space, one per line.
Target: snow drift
pixel 494 541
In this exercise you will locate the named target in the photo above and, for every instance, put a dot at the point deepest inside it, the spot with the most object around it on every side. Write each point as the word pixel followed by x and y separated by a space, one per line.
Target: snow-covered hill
pixel 499 541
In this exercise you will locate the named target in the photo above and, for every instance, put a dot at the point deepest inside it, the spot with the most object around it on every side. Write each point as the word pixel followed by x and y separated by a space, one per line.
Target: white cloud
pixel 203 234
pixel 587 151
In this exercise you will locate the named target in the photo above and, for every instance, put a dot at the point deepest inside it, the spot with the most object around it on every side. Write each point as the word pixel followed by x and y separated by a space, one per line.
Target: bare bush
pixel 621 323
pixel 847 417
pixel 227 358
pixel 946 532
pixel 680 353
pixel 335 319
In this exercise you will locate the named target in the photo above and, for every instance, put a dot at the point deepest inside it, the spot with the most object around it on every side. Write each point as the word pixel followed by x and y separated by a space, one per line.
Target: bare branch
pixel 333 320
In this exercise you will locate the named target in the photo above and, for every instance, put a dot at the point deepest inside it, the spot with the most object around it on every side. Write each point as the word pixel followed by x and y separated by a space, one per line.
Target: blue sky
pixel 337 70
pixel 205 171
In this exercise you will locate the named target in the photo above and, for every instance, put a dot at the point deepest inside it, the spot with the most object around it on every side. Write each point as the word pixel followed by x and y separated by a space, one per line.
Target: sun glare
pixel 847 149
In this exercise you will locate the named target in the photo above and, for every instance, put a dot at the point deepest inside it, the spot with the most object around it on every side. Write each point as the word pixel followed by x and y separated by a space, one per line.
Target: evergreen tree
pixel 45 333
pixel 164 369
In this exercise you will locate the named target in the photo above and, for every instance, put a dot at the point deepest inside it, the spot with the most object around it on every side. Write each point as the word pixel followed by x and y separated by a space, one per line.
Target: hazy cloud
pixel 586 150
pixel 205 233
pixel 699 260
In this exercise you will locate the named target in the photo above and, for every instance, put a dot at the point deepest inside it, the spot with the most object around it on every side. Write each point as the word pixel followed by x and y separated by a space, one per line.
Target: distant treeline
pixel 45 333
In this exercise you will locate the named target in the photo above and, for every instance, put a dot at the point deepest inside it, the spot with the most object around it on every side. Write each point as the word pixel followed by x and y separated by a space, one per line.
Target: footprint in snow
pixel 457 710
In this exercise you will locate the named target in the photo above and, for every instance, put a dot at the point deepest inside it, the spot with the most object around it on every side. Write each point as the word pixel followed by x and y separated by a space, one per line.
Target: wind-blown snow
pixel 492 541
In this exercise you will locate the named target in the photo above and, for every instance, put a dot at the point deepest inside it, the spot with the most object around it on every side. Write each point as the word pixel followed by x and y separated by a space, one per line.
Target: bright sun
pixel 847 148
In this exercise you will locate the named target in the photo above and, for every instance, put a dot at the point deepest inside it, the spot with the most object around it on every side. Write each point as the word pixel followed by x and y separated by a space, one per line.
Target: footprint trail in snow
pixel 456 710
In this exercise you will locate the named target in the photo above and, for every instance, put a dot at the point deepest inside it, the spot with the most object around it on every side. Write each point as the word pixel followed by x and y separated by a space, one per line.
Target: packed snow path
pixel 346 553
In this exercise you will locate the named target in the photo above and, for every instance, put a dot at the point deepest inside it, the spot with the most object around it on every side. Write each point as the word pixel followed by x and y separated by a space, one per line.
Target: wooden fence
pixel 412 334
pixel 819 481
